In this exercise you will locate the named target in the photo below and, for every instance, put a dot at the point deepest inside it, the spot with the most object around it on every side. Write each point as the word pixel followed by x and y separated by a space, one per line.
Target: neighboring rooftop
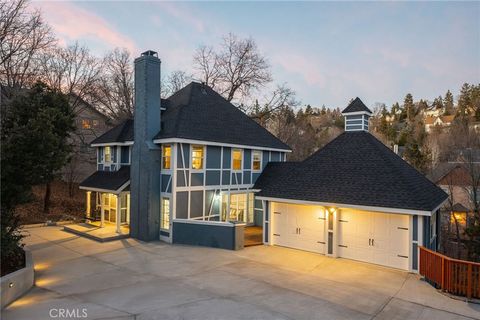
pixel 353 169
pixel 356 106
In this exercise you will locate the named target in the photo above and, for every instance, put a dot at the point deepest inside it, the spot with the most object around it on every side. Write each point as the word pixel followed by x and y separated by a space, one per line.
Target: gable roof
pixel 122 132
pixel 353 169
pixel 197 112
pixel 107 180
pixel 356 106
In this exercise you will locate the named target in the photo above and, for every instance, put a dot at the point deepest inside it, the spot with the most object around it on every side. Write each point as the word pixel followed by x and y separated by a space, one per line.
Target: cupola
pixel 356 116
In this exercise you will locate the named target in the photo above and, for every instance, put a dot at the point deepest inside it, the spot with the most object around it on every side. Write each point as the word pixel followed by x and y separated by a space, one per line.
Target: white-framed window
pixel 237 158
pixel 107 154
pixel 165 213
pixel 197 157
pixel 167 157
pixel 257 160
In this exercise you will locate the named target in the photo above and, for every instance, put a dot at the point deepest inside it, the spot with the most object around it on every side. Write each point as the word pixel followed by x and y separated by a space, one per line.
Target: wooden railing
pixel 458 277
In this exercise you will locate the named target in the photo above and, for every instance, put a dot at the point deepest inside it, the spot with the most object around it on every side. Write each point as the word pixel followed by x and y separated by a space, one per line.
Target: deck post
pixel 117 212
pixel 442 286
pixel 469 281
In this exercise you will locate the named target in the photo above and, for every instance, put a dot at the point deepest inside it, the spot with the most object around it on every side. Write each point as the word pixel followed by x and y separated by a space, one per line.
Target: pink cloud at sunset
pixel 72 23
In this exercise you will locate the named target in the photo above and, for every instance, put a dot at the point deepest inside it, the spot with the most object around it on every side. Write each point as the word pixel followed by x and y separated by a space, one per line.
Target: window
pixel 167 157
pixel 166 213
pixel 257 160
pixel 197 157
pixel 237 159
pixel 108 154
pixel 86 124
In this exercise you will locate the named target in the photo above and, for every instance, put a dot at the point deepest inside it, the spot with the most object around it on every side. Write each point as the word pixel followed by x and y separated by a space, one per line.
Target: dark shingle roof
pixel 197 112
pixel 356 106
pixel 120 133
pixel 107 180
pixel 272 171
pixel 355 169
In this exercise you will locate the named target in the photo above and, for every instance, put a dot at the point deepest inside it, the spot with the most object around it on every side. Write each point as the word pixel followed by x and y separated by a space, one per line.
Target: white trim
pixel 212 143
pixel 356 113
pixel 111 144
pixel 213 223
pixel 105 190
pixel 261 163
pixel 241 161
pixel 351 206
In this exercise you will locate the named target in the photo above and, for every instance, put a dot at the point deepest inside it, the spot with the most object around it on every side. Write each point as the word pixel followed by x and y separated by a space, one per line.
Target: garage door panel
pixel 375 237
pixel 299 227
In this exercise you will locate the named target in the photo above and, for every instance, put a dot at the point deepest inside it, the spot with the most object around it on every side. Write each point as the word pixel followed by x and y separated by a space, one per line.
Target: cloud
pixel 299 64
pixel 183 14
pixel 71 23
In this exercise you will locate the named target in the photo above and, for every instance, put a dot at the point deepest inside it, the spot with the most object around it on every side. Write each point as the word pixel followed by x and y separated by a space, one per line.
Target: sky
pixel 328 52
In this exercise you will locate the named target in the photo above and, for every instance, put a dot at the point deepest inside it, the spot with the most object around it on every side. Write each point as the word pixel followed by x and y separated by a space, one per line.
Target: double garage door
pixel 372 237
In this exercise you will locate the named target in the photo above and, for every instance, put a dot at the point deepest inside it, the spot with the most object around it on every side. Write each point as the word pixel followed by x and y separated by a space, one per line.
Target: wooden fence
pixel 458 277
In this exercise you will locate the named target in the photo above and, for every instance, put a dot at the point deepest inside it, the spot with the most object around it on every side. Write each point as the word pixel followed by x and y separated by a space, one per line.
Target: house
pixel 354 198
pixel 193 169
pixel 456 181
pixel 437 121
pixel 194 165
pixel 89 124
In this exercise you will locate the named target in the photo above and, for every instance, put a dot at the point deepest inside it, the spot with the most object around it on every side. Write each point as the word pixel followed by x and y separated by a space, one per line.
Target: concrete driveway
pixel 127 279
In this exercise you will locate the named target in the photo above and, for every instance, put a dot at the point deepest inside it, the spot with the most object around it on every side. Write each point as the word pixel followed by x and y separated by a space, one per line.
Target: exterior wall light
pixel 10 285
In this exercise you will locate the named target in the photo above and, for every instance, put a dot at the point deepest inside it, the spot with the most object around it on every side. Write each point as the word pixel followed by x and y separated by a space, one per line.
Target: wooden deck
pixel 253 236
pixel 97 233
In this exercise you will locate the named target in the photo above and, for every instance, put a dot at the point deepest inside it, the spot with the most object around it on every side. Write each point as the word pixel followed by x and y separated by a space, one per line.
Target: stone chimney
pixel 145 164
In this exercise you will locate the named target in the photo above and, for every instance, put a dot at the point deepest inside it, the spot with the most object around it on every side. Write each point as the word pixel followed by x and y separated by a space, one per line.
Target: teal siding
pixel 214 155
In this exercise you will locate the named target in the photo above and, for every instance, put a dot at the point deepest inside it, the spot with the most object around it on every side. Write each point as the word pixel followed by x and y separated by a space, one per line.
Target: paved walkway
pixel 127 279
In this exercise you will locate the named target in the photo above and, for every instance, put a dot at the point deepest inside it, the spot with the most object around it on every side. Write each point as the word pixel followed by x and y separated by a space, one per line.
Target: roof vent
pixel 150 53
pixel 356 116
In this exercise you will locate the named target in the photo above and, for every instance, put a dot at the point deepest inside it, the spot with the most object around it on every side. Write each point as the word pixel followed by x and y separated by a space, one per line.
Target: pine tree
pixel 448 103
pixel 409 107
pixel 36 134
pixel 438 103
pixel 464 102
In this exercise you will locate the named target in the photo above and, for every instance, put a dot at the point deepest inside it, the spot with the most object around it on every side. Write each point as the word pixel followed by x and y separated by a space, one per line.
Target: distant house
pixel 89 124
pixel 440 121
pixel 433 112
pixel 456 181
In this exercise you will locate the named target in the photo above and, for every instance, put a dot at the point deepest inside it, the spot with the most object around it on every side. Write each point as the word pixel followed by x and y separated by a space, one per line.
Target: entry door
pixel 300 227
pixel 378 238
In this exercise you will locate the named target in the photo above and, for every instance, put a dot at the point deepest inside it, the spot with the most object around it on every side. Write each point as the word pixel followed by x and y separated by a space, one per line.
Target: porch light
pixel 10 285
pixel 332 209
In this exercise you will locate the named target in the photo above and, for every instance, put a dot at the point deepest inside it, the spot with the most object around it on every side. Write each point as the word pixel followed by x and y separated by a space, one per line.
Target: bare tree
pixel 23 36
pixel 235 70
pixel 71 70
pixel 281 97
pixel 174 82
pixel 115 91
pixel 205 62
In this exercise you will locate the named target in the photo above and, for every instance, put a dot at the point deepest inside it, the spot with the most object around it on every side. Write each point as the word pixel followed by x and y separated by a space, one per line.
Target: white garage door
pixel 374 237
pixel 298 226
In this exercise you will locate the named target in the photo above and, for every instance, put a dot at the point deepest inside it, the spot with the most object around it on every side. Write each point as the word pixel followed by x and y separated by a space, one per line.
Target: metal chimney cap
pixel 150 53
